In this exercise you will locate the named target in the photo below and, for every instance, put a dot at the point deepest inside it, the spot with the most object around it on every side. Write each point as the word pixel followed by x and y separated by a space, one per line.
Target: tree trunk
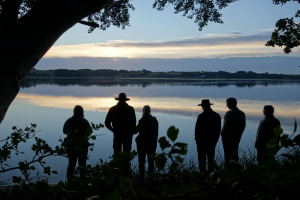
pixel 24 43
pixel 9 88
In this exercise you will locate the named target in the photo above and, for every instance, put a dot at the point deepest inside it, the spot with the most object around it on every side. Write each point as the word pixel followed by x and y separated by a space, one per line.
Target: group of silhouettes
pixel 121 120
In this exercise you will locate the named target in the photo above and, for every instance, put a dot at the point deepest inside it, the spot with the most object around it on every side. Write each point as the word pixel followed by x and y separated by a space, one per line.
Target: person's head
pixel 205 107
pixel 231 102
pixel 78 110
pixel 122 97
pixel 146 111
pixel 268 110
pixel 205 104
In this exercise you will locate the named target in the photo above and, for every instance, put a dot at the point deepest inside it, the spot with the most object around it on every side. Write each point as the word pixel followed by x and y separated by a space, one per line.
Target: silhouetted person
pixel 77 129
pixel 233 128
pixel 207 133
pixel 265 132
pixel 146 141
pixel 122 118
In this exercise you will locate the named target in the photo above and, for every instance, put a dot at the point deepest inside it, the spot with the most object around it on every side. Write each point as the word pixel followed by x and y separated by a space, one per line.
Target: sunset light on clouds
pixel 210 46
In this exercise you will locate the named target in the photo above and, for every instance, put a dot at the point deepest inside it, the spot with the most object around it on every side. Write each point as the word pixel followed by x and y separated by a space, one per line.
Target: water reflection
pixel 186 107
pixel 50 102
pixel 148 82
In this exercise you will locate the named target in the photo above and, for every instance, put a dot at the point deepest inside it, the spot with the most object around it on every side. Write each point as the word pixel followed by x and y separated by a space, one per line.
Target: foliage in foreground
pixel 174 178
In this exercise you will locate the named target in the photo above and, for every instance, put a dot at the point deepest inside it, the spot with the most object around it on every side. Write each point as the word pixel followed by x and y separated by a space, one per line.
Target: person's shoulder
pixel 85 120
pixel 228 112
pixel 215 113
pixel 276 120
pixel 69 120
pixel 270 120
pixel 201 115
pixel 142 120
pixel 154 118
pixel 130 107
pixel 240 111
pixel 113 108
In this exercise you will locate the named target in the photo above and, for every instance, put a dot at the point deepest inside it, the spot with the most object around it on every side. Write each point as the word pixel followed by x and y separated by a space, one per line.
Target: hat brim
pixel 118 99
pixel 205 104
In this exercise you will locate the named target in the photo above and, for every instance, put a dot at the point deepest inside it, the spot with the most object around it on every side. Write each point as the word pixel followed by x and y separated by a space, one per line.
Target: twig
pixel 293 192
pixel 26 164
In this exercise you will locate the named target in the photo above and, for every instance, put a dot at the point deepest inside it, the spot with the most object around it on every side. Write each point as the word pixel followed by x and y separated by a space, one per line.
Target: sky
pixel 164 41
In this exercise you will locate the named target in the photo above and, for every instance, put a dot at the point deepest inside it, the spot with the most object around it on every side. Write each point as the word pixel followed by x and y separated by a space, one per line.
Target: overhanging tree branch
pixel 91 24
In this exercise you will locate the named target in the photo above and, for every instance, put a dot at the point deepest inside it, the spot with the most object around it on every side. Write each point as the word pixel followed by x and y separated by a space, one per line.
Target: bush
pixel 174 178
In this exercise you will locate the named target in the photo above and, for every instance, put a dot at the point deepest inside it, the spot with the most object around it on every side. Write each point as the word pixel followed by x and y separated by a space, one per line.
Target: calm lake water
pixel 49 103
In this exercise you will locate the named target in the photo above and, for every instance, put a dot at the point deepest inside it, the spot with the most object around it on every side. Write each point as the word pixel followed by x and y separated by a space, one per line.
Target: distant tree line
pixel 110 73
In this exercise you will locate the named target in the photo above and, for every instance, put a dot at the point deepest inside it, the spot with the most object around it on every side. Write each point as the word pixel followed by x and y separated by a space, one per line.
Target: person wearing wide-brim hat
pixel 121 121
pixel 207 133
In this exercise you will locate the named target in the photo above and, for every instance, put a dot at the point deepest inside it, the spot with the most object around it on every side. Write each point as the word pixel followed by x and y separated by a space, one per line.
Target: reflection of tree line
pixel 145 83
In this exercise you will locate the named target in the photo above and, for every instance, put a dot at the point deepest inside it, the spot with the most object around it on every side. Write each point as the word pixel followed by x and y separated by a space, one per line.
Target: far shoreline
pixel 183 79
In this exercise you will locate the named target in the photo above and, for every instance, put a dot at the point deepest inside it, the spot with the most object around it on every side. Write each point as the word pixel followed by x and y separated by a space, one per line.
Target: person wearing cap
pixel 207 133
pixel 265 132
pixel 121 121
pixel 233 128
pixel 77 129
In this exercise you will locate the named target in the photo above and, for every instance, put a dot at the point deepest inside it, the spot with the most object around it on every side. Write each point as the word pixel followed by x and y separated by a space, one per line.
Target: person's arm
pixel 88 127
pixel 244 122
pixel 260 137
pixel 157 131
pixel 137 129
pixel 197 128
pixel 218 129
pixel 108 121
pixel 225 123
pixel 66 128
pixel 133 119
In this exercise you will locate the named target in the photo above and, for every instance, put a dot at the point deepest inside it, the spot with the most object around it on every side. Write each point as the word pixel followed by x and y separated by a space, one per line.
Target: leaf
pixel 287 143
pixel 112 196
pixel 278 130
pixel 160 161
pixel 297 139
pixel 182 151
pixel 93 137
pixel 285 137
pixel 164 143
pixel 172 133
pixel 273 151
pixel 178 159
pixel 125 183
pixel 295 126
pixel 16 179
pixel 272 143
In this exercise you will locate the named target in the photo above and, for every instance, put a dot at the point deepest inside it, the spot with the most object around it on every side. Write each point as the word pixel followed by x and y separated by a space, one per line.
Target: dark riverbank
pixel 145 74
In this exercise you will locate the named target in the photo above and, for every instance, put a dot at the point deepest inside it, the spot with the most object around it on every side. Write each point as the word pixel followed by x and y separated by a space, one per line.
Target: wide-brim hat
pixel 122 97
pixel 205 102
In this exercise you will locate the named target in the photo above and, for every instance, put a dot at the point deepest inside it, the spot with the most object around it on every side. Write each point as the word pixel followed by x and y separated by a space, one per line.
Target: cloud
pixel 207 41
pixel 235 33
pixel 208 46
